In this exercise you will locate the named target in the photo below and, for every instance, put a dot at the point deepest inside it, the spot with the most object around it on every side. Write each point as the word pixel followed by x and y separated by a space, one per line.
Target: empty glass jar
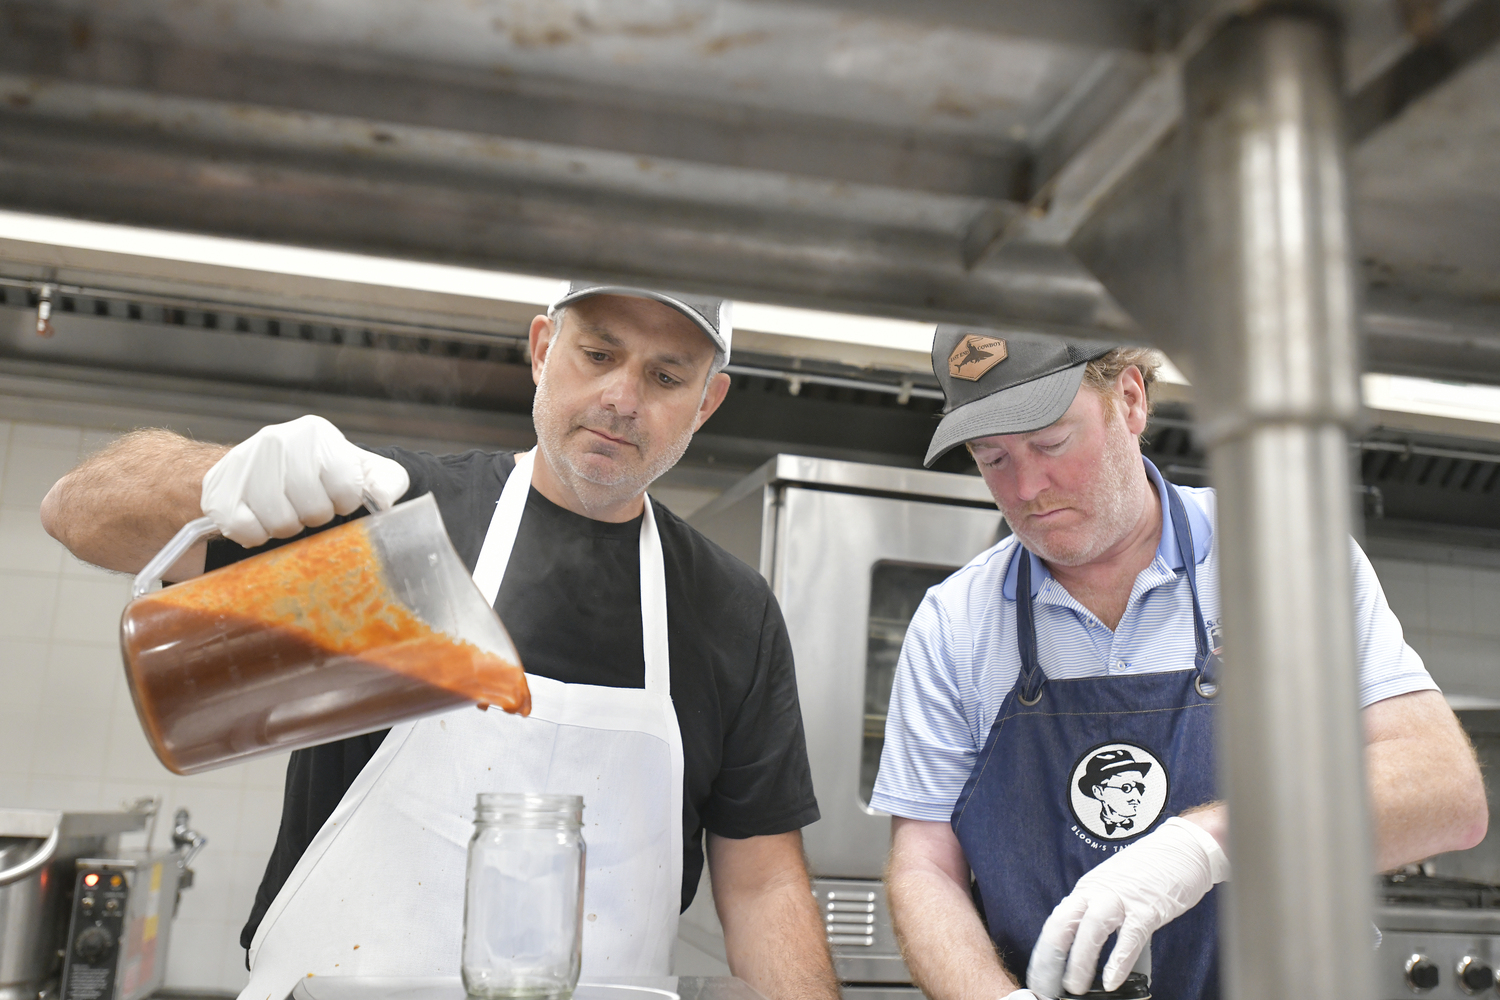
pixel 523 905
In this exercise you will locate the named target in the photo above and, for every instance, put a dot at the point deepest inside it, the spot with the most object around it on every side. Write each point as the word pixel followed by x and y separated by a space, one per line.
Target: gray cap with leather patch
pixel 1004 382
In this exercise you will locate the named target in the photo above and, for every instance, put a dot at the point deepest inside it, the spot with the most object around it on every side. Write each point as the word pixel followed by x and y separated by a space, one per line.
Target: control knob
pixel 93 944
pixel 1421 973
pixel 1475 976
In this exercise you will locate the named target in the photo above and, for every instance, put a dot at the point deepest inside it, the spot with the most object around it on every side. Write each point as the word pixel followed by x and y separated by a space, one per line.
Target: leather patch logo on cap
pixel 975 355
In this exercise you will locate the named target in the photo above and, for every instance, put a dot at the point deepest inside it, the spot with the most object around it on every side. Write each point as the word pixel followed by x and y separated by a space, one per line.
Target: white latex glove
pixel 1024 995
pixel 1137 891
pixel 298 474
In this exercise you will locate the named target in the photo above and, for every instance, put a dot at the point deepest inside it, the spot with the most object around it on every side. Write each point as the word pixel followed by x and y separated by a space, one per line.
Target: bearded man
pixel 1078 655
pixel 666 661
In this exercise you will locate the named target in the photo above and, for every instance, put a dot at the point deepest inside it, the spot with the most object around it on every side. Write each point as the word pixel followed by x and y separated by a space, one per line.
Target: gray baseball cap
pixel 713 316
pixel 1004 382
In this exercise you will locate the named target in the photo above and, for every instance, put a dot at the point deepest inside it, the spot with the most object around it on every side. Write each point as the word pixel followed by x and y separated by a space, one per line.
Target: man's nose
pixel 622 392
pixel 1031 478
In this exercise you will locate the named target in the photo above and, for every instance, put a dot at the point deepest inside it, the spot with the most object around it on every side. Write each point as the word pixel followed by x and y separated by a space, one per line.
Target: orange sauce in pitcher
pixel 296 646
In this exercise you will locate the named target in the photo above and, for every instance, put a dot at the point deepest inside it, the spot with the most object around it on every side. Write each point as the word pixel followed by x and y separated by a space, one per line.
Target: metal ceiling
pixel 951 159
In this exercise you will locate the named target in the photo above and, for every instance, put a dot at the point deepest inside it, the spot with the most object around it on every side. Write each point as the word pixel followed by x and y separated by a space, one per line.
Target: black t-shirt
pixel 571 601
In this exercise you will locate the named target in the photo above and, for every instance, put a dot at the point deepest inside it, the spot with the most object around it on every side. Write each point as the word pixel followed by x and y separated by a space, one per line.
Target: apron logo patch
pixel 1117 790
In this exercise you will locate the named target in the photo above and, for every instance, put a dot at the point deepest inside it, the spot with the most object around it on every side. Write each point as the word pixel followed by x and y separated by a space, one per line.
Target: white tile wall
pixel 1451 615
pixel 69 738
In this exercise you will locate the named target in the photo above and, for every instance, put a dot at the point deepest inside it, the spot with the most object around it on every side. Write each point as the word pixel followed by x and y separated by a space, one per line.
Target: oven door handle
pixel 36 861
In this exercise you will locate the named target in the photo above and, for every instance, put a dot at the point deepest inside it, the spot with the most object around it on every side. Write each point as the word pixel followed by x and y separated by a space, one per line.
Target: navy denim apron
pixel 1075 770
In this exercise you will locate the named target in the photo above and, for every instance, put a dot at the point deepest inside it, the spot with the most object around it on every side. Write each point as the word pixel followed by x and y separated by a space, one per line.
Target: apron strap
pixel 654 606
pixel 1031 678
pixel 500 536
pixel 1205 660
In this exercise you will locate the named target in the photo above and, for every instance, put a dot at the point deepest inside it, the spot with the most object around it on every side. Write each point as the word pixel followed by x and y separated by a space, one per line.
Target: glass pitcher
pixel 344 632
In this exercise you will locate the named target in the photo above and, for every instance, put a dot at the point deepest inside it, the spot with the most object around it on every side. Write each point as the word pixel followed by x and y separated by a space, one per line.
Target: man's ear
pixel 713 395
pixel 540 339
pixel 1132 389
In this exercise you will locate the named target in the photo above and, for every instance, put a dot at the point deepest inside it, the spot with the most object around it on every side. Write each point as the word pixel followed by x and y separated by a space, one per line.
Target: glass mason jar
pixel 523 905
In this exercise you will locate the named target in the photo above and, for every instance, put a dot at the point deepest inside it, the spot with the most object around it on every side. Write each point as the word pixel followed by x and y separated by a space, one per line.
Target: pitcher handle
pixel 187 536
pixel 191 534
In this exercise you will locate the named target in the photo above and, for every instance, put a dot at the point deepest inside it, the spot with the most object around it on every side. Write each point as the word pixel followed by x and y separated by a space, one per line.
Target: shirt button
pixel 1121 664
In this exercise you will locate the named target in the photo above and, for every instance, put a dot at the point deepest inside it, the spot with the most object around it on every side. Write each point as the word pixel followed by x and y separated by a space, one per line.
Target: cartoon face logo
pixel 1117 790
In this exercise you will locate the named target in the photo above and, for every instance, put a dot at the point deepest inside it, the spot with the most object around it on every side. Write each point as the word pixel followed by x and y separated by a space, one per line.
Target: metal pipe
pixel 1427 451
pixel 51 292
pixel 1268 238
pixel 903 391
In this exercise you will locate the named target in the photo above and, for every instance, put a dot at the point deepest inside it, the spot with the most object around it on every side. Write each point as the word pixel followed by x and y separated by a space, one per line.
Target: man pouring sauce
pixel 1050 727
pixel 660 669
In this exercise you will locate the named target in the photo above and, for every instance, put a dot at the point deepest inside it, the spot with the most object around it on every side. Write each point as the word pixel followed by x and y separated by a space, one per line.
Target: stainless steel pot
pixel 38 851
pixel 29 902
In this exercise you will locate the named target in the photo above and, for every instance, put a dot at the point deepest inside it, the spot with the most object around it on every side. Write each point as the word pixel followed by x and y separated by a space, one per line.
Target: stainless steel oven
pixel 1440 920
pixel 850 550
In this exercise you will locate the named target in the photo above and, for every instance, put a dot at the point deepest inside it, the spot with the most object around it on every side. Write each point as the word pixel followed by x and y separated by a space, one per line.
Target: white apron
pixel 380 890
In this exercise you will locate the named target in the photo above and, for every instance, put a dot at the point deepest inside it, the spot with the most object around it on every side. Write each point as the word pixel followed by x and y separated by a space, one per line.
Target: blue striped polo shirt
pixel 960 659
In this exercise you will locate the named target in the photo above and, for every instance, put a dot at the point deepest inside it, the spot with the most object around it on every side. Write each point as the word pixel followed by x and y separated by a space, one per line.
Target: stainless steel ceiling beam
pixel 1412 64
pixel 44 42
pixel 434 194
pixel 1433 340
pixel 84 151
pixel 1434 50
pixel 1139 25
pixel 466 137
pixel 1141 130
pixel 1114 205
pixel 911 266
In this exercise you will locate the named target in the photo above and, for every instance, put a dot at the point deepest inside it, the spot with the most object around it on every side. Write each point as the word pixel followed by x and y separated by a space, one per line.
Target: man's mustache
pixel 1042 504
pixel 612 424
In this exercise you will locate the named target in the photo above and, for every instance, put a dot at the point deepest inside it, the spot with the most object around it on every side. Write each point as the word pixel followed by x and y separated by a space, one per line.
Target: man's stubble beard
pixel 598 493
pixel 1114 502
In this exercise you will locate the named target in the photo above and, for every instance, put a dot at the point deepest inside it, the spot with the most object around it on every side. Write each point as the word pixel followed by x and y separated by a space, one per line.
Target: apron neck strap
pixel 500 536
pixel 1031 678
pixel 654 605
pixel 1205 658
pixel 1206 661
pixel 500 540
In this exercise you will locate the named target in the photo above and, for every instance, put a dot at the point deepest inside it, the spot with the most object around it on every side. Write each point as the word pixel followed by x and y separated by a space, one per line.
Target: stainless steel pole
pixel 1268 242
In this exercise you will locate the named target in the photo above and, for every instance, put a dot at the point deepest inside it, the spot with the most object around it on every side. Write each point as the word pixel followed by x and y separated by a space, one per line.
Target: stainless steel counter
pixel 450 988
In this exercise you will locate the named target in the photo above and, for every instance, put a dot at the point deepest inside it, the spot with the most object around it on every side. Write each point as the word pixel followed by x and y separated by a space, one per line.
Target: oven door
pixel 849 571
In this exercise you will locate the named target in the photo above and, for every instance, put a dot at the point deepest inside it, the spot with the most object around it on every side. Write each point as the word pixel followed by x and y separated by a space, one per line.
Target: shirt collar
pixel 1166 550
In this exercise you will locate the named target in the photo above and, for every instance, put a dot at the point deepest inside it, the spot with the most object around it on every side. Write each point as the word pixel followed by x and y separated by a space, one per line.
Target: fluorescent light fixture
pixel 812 324
pixel 1456 400
pixel 275 259
pixel 1382 392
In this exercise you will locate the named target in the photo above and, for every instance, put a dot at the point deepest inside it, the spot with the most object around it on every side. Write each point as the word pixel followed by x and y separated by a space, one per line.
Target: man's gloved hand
pixel 1024 995
pixel 298 474
pixel 1139 890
